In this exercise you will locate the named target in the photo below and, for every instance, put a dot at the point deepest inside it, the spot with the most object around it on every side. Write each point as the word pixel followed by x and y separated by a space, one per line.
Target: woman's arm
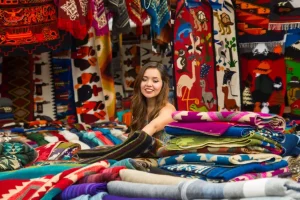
pixel 164 118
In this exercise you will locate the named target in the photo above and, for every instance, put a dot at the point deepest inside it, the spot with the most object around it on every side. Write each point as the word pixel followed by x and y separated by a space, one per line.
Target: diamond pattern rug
pixel 19 86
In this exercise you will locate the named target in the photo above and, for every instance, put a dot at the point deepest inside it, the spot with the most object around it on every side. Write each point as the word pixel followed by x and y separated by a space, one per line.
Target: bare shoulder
pixel 168 108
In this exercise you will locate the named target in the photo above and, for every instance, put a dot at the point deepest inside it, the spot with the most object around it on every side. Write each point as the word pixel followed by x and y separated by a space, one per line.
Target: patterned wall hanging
pixel 285 15
pixel 252 23
pixel 194 63
pixel 227 61
pixel 131 61
pixel 19 86
pixel 263 79
pixel 292 61
pixel 88 91
pixel 28 26
pixel 1 60
pixel 104 57
pixel 63 86
pixel 43 86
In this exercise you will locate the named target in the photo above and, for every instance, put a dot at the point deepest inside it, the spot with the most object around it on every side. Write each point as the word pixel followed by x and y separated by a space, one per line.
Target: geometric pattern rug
pixel 19 86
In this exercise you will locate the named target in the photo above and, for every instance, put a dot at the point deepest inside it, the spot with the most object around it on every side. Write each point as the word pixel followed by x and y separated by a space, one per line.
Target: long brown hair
pixel 139 103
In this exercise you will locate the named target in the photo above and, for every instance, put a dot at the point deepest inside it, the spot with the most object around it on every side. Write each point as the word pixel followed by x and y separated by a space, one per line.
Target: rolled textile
pixel 138 143
pixel 135 176
pixel 84 188
pixel 106 175
pixel 267 187
pixel 261 120
pixel 238 159
pixel 142 190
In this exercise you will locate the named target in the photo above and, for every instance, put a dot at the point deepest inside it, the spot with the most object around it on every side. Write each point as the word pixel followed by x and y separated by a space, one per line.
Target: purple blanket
pixel 260 120
pixel 74 191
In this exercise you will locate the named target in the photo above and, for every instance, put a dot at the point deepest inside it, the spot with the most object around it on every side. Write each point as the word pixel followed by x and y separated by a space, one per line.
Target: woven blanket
pixel 239 159
pixel 19 85
pixel 263 84
pixel 104 176
pixel 226 59
pixel 268 174
pixel 199 189
pixel 292 50
pixel 136 144
pixel 163 151
pixel 194 63
pixel 285 15
pixel 88 87
pixel 198 142
pixel 261 120
pixel 47 186
pixel 294 166
pixel 74 191
pixel 253 189
pixel 252 22
pixel 221 173
pixel 15 154
pixel 43 86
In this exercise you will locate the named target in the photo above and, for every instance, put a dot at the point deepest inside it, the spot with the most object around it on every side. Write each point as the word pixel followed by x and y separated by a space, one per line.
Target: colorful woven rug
pixel 88 90
pixel 194 64
pixel 292 61
pixel 263 79
pixel 227 61
pixel 285 15
pixel 43 86
pixel 252 22
pixel 19 86
pixel 61 71
pixel 104 58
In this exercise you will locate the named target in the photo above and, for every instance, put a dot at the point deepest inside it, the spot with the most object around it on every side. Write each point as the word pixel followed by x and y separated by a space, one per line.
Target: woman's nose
pixel 148 83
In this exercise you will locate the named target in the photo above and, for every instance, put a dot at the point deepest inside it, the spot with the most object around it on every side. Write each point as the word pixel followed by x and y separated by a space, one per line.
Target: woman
pixel 150 108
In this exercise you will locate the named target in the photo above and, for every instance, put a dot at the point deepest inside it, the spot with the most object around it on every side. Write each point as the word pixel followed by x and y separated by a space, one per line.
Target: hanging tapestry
pixel 99 21
pixel 227 61
pixel 194 64
pixel 131 61
pixel 285 15
pixel 292 61
pixel 1 60
pixel 43 86
pixel 88 91
pixel 63 86
pixel 28 24
pixel 104 58
pixel 252 22
pixel 137 14
pixel 263 79
pixel 19 86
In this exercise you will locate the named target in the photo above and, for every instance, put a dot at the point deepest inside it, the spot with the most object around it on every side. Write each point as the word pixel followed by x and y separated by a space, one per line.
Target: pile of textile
pixel 213 155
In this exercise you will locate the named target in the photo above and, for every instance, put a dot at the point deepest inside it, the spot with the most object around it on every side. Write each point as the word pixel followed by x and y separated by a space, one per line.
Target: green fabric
pixel 197 142
pixel 15 154
pixel 38 138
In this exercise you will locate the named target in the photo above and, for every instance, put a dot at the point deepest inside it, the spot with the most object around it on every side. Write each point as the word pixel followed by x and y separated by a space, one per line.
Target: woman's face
pixel 151 83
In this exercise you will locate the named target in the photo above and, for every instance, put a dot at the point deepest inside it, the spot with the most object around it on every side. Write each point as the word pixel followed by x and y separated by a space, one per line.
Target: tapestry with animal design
pixel 130 61
pixel 292 61
pixel 104 58
pixel 252 22
pixel 194 63
pixel 43 87
pixel 227 61
pixel 263 79
pixel 285 15
pixel 88 90
pixel 61 70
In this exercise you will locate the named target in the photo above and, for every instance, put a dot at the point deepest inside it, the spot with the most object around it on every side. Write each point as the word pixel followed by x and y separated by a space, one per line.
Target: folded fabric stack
pixel 6 111
pixel 227 146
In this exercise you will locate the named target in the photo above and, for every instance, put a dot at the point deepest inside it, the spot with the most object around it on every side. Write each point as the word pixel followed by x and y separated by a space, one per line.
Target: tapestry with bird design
pixel 194 63
pixel 227 62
